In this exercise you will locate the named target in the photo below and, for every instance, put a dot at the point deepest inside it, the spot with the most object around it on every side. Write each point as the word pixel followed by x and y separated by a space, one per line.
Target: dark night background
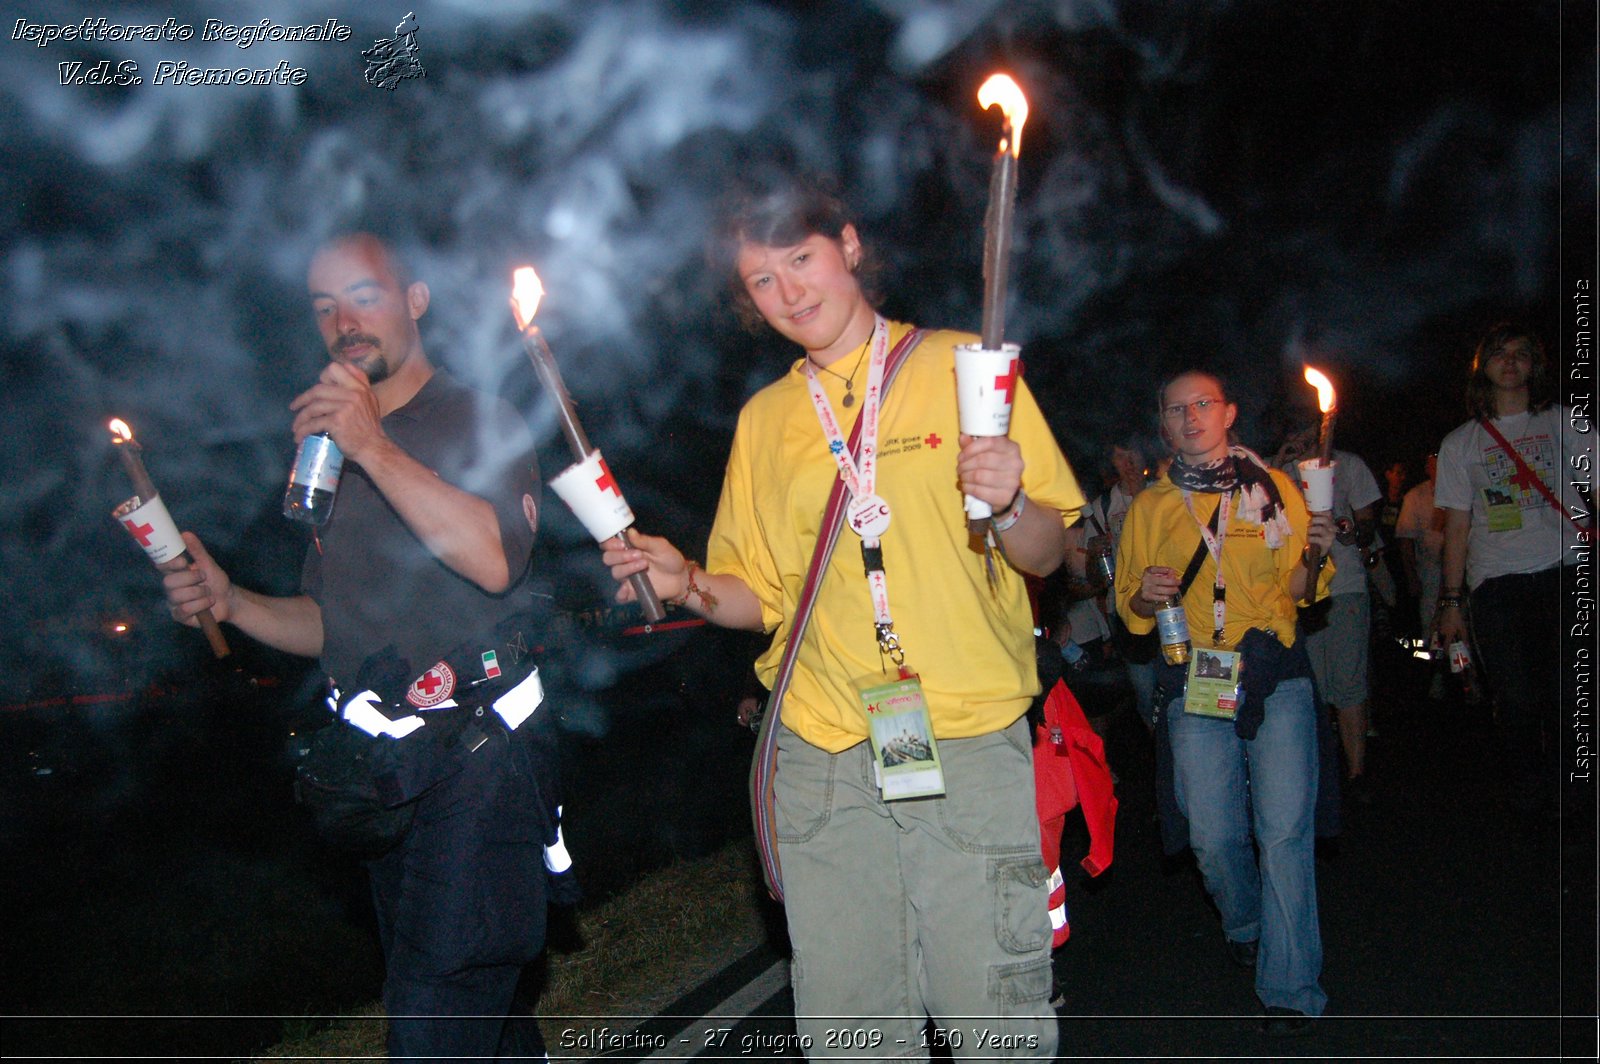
pixel 1361 184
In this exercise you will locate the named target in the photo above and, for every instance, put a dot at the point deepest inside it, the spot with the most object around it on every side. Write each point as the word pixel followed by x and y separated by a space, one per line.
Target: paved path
pixel 1451 928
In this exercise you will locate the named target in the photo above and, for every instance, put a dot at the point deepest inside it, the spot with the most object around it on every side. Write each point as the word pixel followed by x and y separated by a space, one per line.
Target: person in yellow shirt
pixel 1244 753
pixel 899 908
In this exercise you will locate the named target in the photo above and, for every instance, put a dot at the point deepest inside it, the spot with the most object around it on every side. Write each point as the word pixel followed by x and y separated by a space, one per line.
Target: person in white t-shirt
pixel 1510 506
pixel 1339 638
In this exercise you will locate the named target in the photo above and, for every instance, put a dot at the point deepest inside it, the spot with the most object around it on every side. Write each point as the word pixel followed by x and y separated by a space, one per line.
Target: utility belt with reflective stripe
pixel 514 694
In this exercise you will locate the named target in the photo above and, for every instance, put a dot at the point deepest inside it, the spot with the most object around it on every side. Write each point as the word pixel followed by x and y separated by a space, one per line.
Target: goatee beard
pixel 375 368
pixel 374 365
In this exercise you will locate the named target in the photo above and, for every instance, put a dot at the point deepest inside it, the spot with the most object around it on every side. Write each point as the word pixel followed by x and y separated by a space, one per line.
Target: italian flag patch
pixel 491 664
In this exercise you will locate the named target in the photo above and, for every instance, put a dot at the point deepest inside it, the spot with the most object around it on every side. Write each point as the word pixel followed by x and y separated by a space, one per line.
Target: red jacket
pixel 1069 770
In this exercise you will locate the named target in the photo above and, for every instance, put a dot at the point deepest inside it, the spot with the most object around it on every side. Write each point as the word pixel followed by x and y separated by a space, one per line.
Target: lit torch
pixel 146 518
pixel 1000 91
pixel 587 486
pixel 986 373
pixel 1325 403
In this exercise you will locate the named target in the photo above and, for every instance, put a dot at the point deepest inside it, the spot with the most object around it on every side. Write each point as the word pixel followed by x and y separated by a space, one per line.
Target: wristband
pixel 1009 518
pixel 683 600
pixel 706 598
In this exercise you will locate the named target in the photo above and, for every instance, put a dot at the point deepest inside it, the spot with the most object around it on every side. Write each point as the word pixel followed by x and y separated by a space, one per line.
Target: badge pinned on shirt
pixel 868 516
pixel 491 664
pixel 432 687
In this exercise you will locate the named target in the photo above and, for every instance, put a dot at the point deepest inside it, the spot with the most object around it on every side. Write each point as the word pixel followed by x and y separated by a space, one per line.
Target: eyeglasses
pixel 1180 410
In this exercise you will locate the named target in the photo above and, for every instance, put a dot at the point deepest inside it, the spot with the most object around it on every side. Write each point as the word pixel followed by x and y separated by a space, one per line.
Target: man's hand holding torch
pixel 146 518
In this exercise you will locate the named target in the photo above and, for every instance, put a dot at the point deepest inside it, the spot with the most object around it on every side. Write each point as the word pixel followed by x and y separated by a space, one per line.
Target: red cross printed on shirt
pixel 140 532
pixel 1008 381
pixel 606 482
pixel 430 682
pixel 933 440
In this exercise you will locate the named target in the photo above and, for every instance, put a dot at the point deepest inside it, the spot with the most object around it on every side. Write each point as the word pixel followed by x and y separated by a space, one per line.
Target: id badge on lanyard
pixel 1213 687
pixel 905 756
pixel 1502 509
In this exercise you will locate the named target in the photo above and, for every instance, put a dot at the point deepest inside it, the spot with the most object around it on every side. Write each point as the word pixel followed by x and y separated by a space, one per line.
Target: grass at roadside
pixel 637 951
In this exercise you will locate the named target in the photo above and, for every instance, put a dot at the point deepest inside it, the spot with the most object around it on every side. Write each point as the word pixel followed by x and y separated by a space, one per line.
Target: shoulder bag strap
pixel 763 767
pixel 1525 472
pixel 1199 556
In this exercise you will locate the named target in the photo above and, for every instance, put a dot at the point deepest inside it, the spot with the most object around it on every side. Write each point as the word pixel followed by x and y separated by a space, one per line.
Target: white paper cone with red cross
pixel 1316 481
pixel 148 522
pixel 986 384
pixel 593 496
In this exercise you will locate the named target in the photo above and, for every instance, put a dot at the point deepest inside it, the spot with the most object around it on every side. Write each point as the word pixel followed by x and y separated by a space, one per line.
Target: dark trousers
pixel 461 907
pixel 1515 621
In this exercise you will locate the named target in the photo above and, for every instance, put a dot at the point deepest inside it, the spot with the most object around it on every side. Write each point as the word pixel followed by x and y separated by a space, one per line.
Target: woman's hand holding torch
pixel 587 486
pixel 986 373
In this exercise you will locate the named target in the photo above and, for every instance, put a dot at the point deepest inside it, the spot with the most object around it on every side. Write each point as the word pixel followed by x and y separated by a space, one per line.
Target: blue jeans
pixel 1224 784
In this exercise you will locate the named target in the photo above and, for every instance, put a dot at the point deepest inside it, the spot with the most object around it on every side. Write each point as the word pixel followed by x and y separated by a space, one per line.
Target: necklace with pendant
pixel 849 399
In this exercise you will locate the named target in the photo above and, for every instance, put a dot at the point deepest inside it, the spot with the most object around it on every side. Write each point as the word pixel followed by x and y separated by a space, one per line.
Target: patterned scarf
pixel 1241 470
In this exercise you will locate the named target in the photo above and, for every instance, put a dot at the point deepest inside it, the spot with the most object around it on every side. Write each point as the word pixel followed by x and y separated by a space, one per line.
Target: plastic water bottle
pixel 1103 565
pixel 1172 628
pixel 314 481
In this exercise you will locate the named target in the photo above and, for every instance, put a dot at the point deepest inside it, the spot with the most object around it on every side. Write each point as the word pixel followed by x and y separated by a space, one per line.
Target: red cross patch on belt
pixel 432 687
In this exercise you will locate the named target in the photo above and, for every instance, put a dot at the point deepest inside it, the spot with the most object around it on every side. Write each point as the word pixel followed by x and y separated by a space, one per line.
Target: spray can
pixel 1172 629
pixel 314 481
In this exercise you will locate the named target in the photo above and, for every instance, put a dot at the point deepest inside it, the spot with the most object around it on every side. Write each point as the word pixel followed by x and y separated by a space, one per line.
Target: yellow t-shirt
pixel 1160 531
pixel 971 645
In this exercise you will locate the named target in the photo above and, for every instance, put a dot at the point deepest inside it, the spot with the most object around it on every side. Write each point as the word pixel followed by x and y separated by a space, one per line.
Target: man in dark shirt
pixel 414 601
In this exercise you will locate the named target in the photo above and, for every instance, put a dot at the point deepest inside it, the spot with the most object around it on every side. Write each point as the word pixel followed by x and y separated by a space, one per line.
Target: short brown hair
pixel 781 211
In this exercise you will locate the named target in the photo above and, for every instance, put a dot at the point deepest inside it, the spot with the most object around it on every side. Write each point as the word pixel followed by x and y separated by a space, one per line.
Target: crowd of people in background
pixel 894 786
pixel 1449 568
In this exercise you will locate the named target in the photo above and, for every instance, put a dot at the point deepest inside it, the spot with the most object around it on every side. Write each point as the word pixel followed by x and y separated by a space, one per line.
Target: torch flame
pixel 1324 388
pixel 526 291
pixel 1000 91
pixel 120 431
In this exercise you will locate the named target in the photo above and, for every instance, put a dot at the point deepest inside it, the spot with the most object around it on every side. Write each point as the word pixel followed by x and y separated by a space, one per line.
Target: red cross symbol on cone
pixel 606 482
pixel 1008 381
pixel 140 532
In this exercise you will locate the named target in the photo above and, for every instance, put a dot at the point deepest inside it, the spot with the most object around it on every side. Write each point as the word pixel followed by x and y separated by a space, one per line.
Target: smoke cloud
pixel 1227 182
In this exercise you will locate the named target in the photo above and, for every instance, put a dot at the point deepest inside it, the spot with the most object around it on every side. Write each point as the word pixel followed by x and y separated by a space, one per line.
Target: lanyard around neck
pixel 867 514
pixel 859 476
pixel 1213 542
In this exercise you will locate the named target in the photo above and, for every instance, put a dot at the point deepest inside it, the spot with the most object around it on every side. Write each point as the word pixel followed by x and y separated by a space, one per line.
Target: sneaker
pixel 1243 953
pixel 1280 1022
